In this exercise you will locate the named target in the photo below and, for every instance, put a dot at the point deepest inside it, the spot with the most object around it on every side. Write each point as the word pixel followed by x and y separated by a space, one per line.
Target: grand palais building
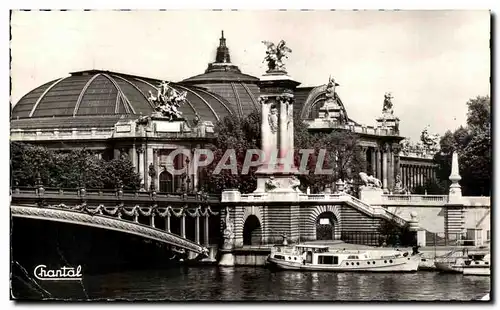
pixel 105 112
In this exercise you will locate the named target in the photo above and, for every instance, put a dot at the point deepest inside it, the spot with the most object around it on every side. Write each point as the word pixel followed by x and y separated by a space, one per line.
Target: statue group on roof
pixel 430 142
pixel 275 54
pixel 387 109
pixel 330 88
pixel 168 101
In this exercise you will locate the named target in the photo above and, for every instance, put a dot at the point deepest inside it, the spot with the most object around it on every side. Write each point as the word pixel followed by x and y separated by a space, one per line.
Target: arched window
pixel 166 184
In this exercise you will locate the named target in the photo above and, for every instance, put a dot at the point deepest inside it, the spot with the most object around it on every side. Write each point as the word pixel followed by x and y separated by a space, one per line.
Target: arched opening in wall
pixel 314 110
pixel 325 226
pixel 252 231
pixel 166 182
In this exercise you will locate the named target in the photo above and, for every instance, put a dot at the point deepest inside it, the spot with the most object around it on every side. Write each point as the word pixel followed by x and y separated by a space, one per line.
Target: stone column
pixel 384 165
pixel 195 170
pixel 205 236
pixel 265 129
pixel 283 138
pixel 407 183
pixel 149 160
pixel 373 162
pixel 133 156
pixel 157 169
pixel 390 176
pixel 116 153
pixel 412 176
pixel 140 151
pixel 197 229
pixel 396 148
pixel 290 131
pixel 379 166
pixel 167 223
pixel 183 225
pixel 364 149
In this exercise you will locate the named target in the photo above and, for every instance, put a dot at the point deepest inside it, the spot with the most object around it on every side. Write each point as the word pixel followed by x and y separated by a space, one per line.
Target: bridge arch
pixel 327 216
pixel 252 226
pixel 106 222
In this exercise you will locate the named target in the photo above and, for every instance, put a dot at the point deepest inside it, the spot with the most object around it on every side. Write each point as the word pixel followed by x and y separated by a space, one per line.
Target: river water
pixel 211 283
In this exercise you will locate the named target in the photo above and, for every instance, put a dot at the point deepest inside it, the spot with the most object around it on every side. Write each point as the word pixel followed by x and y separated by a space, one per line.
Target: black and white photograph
pixel 250 155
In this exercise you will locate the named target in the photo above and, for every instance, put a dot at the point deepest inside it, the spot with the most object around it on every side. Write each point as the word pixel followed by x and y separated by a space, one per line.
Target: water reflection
pixel 241 283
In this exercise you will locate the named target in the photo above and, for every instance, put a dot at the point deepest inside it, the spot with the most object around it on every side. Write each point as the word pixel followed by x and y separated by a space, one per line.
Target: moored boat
pixel 321 258
pixel 465 263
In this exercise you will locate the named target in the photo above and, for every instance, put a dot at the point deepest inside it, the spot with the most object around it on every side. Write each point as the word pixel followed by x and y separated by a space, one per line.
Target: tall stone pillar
pixel 290 129
pixel 413 176
pixel 373 162
pixel 183 225
pixel 149 160
pixel 265 129
pixel 390 175
pixel 197 229
pixel 276 100
pixel 379 166
pixel 195 172
pixel 156 180
pixel 396 148
pixel 384 166
pixel 140 152
pixel 364 149
pixel 133 156
pixel 205 235
pixel 283 138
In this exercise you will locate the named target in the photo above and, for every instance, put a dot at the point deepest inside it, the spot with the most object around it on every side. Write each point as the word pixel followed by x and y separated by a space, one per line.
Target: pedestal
pixel 371 195
pixel 227 259
pixel 421 238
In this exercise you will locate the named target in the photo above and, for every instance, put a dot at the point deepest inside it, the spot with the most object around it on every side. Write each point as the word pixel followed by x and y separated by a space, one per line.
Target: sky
pixel 432 62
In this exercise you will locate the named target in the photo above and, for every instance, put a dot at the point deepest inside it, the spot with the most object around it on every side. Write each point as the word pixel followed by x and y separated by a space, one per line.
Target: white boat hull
pixel 476 271
pixel 398 265
pixel 447 267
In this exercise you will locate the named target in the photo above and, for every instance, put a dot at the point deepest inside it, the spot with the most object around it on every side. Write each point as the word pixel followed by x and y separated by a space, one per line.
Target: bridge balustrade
pixel 97 206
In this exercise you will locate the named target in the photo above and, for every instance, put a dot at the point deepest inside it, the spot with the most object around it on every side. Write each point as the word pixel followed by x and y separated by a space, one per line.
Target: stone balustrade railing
pixel 320 197
pixel 110 194
pixel 371 130
pixel 416 198
pixel 474 201
pixel 60 134
pixel 253 197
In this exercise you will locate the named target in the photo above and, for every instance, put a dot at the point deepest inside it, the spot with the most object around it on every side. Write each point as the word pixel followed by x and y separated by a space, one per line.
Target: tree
pixel 240 134
pixel 68 169
pixel 343 154
pixel 473 146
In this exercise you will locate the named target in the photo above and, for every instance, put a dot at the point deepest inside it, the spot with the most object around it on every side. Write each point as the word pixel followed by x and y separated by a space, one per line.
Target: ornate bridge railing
pixel 121 211
pixel 117 194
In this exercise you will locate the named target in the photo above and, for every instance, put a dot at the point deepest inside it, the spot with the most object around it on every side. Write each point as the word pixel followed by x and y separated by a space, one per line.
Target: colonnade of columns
pixel 142 156
pixel 383 163
pixel 183 226
pixel 413 175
